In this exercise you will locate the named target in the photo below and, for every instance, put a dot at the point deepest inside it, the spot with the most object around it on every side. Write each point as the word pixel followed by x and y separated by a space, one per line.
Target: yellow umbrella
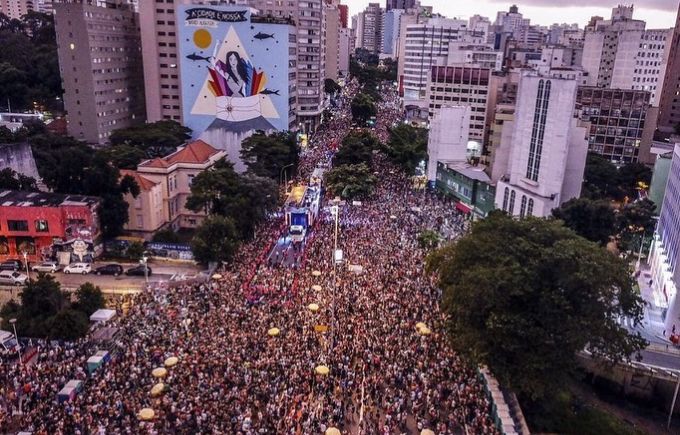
pixel 146 414
pixel 171 361
pixel 273 332
pixel 159 372
pixel 322 370
pixel 427 432
pixel 157 389
pixel 313 307
pixel 316 273
pixel 425 331
pixel 217 276
pixel 420 325
pixel 316 288
pixel 332 431
pixel 320 328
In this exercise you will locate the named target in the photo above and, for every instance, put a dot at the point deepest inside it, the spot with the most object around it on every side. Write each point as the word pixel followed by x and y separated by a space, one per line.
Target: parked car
pixel 47 267
pixel 11 265
pixel 138 271
pixel 10 277
pixel 109 269
pixel 82 268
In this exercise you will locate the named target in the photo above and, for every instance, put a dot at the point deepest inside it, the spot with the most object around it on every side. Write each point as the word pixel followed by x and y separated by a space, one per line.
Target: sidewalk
pixel 652 327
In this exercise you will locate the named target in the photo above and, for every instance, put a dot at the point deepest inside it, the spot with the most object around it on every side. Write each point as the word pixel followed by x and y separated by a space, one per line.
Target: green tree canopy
pixel 356 148
pixel 603 180
pixel 593 220
pixel 68 324
pixel 216 239
pixel 89 298
pixel 407 146
pixel 350 181
pixel 9 179
pixel 331 87
pixel 266 155
pixel 524 296
pixel 362 108
pixel 246 199
pixel 156 139
pixel 165 236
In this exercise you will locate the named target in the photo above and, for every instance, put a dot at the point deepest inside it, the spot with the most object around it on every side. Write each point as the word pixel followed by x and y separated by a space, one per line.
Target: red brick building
pixel 48 226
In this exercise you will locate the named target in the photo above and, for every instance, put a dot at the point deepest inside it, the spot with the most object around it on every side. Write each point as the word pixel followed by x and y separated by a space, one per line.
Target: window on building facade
pixel 506 195
pixel 530 207
pixel 41 226
pixel 523 206
pixel 511 206
pixel 17 225
pixel 538 130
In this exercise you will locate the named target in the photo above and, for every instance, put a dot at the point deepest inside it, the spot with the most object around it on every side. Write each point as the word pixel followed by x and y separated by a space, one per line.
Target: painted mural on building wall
pixel 234 75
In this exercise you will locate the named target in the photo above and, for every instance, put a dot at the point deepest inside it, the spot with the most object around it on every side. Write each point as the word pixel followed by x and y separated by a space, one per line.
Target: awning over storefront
pixel 463 208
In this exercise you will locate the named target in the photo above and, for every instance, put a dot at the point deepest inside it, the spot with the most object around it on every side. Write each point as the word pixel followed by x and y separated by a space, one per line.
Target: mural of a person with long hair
pixel 236 74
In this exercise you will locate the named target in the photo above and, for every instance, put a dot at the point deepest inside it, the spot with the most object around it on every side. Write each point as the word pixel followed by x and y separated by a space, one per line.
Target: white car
pixel 9 277
pixel 82 268
pixel 47 266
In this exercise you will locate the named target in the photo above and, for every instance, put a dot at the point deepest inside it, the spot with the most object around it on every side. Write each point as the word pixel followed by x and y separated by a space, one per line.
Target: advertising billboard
pixel 234 72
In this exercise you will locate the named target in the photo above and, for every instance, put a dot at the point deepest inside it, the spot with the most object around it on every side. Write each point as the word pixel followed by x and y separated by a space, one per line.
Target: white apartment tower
pixel 620 54
pixel 547 149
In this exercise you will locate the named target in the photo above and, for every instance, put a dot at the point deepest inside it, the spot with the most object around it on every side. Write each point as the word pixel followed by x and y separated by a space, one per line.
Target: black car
pixel 138 271
pixel 109 269
pixel 11 265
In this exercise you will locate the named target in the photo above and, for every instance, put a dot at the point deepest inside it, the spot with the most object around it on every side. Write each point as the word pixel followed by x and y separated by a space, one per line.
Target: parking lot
pixel 161 271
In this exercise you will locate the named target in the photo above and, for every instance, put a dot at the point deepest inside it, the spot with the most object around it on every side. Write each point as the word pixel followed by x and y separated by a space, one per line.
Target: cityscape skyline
pixel 657 13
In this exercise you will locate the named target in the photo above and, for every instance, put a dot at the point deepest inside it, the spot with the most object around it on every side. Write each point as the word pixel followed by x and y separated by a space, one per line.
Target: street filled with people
pixel 271 349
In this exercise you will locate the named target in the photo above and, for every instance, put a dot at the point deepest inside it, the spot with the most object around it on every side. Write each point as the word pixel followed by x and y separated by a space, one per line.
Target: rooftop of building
pixel 195 152
pixel 144 183
pixel 21 198
pixel 473 172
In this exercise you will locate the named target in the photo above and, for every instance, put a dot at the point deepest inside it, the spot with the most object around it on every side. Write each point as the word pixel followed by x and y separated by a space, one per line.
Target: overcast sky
pixel 657 13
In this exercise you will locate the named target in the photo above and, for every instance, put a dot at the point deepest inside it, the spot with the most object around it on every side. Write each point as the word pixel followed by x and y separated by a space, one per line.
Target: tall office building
pixel 345 49
pixel 332 41
pixel 344 15
pixel 461 85
pixel 669 106
pixel 100 62
pixel 512 22
pixel 618 127
pixel 370 28
pixel 425 45
pixel 664 257
pixel 401 4
pixel 17 8
pixel 310 19
pixel 620 53
pixel 391 23
pixel 546 151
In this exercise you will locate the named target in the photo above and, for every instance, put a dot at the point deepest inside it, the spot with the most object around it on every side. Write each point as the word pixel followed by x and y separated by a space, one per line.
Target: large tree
pixel 525 296
pixel 216 239
pixel 594 220
pixel 363 108
pixel 156 139
pixel 266 155
pixel 89 298
pixel 600 178
pixel 350 181
pixel 9 179
pixel 356 148
pixel 407 146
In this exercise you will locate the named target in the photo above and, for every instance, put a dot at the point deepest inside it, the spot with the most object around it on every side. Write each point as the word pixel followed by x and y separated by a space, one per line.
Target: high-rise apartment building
pixel 391 21
pixel 345 49
pixel 332 41
pixel 620 54
pixel 547 149
pixel 618 130
pixel 512 22
pixel 664 257
pixel 17 8
pixel 401 4
pixel 344 15
pixel 669 106
pixel 461 85
pixel 370 28
pixel 310 20
pixel 425 45
pixel 100 62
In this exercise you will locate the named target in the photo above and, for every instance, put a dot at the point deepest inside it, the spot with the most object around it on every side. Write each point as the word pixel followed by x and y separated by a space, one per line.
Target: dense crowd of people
pixel 237 376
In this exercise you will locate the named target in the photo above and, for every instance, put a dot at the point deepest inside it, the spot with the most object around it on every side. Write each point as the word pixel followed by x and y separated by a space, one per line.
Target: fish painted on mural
pixel 261 36
pixel 270 92
pixel 195 57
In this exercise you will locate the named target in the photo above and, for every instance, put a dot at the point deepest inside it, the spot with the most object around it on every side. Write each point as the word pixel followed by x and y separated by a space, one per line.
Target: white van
pixel 297 233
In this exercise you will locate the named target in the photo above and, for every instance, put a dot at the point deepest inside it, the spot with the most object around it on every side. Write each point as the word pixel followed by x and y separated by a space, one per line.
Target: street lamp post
pixel 26 262
pixel 144 261
pixel 14 325
pixel 282 173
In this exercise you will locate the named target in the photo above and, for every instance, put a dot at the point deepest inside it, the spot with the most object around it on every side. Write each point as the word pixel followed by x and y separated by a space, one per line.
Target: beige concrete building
pixel 100 63
pixel 165 185
pixel 332 41
pixel 17 8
